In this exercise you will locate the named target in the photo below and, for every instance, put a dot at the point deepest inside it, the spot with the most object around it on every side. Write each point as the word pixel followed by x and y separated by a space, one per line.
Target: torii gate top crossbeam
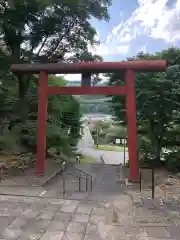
pixel 91 67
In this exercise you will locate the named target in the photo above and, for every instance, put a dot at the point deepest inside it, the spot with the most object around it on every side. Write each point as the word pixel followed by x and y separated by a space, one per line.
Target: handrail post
pixel 91 183
pixel 79 184
pixel 64 186
pixel 86 182
pixel 63 180
pixel 88 178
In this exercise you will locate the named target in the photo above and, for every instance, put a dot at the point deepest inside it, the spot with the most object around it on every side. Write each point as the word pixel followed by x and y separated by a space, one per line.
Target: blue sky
pixel 137 25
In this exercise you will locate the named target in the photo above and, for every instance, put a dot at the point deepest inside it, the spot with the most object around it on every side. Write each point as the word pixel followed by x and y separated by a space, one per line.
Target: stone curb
pixel 43 183
pixel 54 175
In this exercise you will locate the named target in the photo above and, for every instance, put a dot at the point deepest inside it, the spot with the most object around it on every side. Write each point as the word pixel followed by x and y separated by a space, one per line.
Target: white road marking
pixel 42 193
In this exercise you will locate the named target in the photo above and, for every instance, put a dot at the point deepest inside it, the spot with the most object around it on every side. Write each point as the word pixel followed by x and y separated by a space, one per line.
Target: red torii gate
pixel 129 67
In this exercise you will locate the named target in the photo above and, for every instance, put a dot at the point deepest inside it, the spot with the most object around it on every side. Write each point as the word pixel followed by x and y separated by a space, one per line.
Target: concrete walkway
pixel 50 219
pixel 105 213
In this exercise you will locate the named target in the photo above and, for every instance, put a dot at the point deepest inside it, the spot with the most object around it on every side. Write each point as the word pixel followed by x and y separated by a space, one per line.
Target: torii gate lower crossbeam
pixel 89 68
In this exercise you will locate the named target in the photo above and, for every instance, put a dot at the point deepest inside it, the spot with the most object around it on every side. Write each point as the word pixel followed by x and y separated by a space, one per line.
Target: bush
pixel 28 134
pixel 146 153
pixel 172 161
pixel 7 142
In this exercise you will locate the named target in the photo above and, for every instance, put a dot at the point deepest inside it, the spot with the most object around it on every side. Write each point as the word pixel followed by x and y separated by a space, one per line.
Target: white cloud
pixel 123 49
pixel 157 20
pixel 143 49
pixel 77 77
pixel 152 18
pixel 71 77
pixel 97 36
pixel 105 49
pixel 110 49
pixel 117 28
pixel 168 27
pixel 126 38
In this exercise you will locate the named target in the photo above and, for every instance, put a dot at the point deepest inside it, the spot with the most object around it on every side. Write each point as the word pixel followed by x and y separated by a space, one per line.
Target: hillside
pixel 92 103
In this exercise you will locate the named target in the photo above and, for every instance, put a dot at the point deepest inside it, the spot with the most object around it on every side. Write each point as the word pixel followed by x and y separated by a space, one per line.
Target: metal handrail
pixel 87 175
pixel 83 172
pixel 75 175
pixel 79 178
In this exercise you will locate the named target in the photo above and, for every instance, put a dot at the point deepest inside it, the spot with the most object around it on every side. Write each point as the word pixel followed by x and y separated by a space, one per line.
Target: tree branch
pixel 5 49
pixel 43 43
pixel 61 38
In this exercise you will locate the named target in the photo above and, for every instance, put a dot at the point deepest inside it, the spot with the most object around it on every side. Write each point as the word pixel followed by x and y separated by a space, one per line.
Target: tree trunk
pixel 155 143
pixel 23 82
pixel 158 152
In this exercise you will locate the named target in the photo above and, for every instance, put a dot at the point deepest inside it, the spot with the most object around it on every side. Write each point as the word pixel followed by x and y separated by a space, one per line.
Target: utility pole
pixel 124 152
pixel 97 135
pixel 153 178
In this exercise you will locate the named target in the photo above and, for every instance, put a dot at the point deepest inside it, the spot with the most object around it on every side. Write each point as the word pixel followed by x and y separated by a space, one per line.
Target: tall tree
pixel 157 95
pixel 48 31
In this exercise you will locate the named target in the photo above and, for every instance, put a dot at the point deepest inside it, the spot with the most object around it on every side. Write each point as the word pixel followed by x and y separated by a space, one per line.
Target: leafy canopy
pixel 157 104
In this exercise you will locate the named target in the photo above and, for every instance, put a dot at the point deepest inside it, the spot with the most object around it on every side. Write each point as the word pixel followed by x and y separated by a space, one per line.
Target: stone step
pixel 104 185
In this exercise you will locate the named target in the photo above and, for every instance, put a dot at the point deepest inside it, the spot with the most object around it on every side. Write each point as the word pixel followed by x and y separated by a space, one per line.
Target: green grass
pixel 87 159
pixel 111 148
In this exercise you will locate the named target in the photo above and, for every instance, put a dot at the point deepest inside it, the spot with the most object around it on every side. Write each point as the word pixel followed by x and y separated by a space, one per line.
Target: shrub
pixel 146 153
pixel 7 142
pixel 172 161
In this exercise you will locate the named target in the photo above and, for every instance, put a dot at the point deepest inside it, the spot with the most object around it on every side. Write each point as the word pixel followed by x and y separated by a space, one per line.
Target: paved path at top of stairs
pixel 106 213
pixel 59 219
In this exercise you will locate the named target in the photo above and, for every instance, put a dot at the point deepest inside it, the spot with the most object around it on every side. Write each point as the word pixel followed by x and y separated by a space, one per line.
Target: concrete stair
pixel 104 183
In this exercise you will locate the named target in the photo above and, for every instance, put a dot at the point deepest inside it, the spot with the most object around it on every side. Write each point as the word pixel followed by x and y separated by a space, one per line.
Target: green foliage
pixel 6 142
pixel 108 132
pixel 63 114
pixel 115 132
pixel 94 104
pixel 44 31
pixel 157 103
pixel 97 107
pixel 146 153
pixel 173 161
pixel 48 31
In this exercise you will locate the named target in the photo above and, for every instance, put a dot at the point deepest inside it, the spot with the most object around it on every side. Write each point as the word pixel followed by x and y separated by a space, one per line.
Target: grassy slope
pixel 111 148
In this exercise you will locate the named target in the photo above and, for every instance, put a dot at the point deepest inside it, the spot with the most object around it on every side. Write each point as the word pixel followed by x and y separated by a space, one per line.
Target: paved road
pixel 86 144
pixel 110 157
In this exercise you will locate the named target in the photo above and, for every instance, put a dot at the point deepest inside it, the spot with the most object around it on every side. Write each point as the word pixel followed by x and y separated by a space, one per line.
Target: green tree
pixel 47 31
pixel 63 115
pixel 44 31
pixel 157 95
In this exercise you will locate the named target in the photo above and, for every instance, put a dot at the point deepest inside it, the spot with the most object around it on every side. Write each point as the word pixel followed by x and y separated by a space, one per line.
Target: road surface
pixel 86 144
pixel 110 157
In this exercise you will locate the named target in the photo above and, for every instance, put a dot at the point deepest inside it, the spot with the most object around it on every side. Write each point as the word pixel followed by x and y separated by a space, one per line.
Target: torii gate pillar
pixel 131 122
pixel 41 123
